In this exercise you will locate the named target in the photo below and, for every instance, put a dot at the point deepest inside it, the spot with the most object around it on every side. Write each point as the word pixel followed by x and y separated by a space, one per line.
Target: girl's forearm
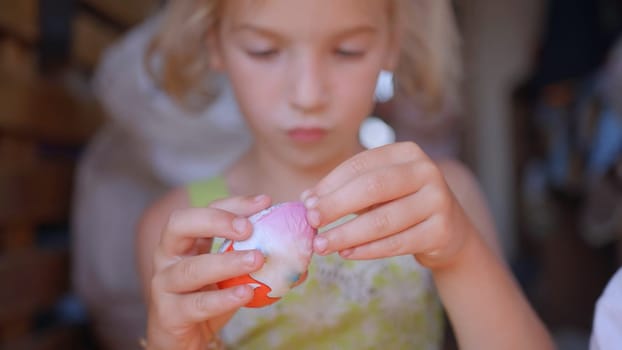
pixel 484 303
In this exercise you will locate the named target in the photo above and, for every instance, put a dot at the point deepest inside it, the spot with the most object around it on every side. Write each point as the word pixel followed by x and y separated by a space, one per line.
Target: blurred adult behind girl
pixel 132 160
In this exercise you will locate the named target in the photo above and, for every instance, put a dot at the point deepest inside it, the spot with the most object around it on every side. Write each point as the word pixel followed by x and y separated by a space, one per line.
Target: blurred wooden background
pixel 48 49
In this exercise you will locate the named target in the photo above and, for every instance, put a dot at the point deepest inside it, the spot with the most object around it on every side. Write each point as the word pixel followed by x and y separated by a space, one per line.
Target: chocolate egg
pixel 285 239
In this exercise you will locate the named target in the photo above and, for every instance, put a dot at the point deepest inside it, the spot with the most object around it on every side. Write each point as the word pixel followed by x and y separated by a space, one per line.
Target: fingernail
pixel 239 225
pixel 306 194
pixel 240 291
pixel 313 217
pixel 320 243
pixel 249 258
pixel 346 253
pixel 260 198
pixel 311 202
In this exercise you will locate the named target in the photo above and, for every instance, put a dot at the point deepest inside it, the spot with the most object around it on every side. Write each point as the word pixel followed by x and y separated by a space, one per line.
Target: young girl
pixel 304 72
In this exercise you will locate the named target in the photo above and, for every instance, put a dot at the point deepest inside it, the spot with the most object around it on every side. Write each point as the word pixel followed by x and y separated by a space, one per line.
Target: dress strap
pixel 203 192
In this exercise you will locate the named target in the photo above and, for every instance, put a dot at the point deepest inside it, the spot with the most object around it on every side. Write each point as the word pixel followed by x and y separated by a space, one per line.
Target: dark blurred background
pixel 541 127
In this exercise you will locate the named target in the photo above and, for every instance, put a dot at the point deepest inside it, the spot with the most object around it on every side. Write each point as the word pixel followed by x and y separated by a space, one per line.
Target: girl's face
pixel 304 71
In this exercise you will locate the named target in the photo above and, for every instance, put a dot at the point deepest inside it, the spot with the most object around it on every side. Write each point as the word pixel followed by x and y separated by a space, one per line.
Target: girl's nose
pixel 308 91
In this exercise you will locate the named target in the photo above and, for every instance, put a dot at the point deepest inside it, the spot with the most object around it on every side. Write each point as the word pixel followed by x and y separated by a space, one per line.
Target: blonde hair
pixel 428 69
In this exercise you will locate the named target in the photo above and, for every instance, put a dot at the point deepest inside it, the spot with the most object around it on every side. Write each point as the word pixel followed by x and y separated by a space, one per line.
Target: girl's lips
pixel 306 134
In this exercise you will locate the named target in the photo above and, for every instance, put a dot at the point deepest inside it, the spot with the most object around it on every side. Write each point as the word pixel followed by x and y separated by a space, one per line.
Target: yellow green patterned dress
pixel 377 304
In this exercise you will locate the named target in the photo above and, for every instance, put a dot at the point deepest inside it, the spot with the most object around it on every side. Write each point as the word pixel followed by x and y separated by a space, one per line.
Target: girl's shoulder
pixel 150 227
pixel 458 175
pixel 176 199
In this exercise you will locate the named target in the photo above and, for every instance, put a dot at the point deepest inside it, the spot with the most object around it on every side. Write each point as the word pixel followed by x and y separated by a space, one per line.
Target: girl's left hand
pixel 404 204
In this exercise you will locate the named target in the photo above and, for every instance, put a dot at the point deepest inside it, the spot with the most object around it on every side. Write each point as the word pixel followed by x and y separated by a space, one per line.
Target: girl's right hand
pixel 186 309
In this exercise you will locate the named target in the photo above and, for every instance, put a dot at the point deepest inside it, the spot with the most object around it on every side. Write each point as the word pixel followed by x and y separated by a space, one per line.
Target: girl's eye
pixel 349 53
pixel 268 53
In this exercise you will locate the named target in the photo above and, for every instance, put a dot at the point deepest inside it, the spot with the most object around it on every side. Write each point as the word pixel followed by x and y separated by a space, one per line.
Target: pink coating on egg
pixel 284 236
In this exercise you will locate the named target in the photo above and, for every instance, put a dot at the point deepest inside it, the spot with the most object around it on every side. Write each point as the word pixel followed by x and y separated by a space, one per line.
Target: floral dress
pixel 375 304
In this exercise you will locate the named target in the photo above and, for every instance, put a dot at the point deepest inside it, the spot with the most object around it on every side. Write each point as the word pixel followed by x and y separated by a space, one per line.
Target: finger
pixel 426 237
pixel 223 218
pixel 369 189
pixel 186 226
pixel 382 221
pixel 193 273
pixel 364 162
pixel 243 205
pixel 201 306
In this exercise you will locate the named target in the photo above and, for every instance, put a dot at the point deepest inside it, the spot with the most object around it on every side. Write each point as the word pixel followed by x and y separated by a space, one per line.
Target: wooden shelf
pixel 91 37
pixel 125 12
pixel 66 338
pixel 44 125
pixel 44 111
pixel 20 18
pixel 39 193
pixel 37 278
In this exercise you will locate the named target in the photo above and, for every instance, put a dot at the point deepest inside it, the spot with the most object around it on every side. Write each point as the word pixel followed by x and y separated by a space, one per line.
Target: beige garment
pixel 147 146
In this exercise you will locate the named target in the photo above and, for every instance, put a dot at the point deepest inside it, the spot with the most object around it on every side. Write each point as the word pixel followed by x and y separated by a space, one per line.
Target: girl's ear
pixel 214 52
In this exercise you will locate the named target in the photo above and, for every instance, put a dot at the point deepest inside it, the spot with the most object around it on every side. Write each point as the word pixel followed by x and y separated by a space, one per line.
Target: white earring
pixel 374 132
pixel 384 87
